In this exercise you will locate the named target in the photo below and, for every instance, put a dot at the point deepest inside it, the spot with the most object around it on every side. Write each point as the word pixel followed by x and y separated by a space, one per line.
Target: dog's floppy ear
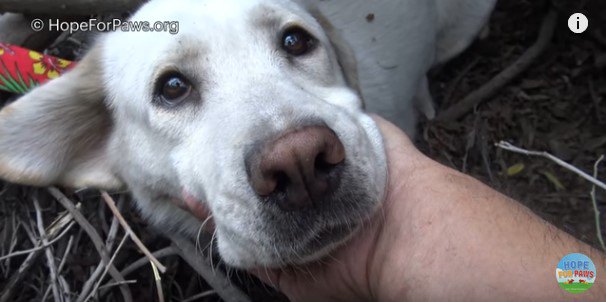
pixel 58 133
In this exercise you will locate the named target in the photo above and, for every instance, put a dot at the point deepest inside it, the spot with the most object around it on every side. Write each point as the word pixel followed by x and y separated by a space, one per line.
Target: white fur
pixel 402 42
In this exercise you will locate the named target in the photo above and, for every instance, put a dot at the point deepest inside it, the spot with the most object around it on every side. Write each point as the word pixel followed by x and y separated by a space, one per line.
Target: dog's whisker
pixel 200 230
pixel 197 246
pixel 210 251
pixel 269 278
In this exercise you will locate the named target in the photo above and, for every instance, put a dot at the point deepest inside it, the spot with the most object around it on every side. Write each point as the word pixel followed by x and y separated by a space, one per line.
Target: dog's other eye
pixel 172 90
pixel 297 42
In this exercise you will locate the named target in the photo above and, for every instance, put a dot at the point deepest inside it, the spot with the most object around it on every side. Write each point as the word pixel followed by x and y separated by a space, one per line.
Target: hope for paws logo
pixel 576 273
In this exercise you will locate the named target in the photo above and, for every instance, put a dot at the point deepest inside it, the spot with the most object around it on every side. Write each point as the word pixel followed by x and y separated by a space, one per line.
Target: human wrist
pixel 424 231
pixel 407 223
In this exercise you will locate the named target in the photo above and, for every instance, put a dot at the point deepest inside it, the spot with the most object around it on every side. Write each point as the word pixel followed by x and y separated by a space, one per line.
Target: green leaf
pixel 515 169
pixel 554 180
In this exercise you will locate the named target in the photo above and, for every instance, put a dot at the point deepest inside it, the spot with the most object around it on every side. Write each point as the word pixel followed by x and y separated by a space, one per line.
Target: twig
pixel 9 286
pixel 103 221
pixel 23 268
pixel 95 238
pixel 63 261
pixel 105 287
pixel 158 281
pixel 594 201
pixel 156 265
pixel 50 258
pixel 33 253
pixel 466 105
pixel 200 296
pixel 39 247
pixel 112 206
pixel 113 229
pixel 165 252
pixel 109 244
pixel 70 242
pixel 90 282
pixel 509 147
pixel 30 234
pixel 66 290
pixel 111 260
pixel 8 236
pixel 217 280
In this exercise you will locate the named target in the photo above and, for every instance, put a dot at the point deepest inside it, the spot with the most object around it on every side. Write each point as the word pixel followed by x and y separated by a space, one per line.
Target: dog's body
pixel 395 44
pixel 249 116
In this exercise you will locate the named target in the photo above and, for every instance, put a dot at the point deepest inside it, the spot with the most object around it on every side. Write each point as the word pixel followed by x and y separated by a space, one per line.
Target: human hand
pixel 355 272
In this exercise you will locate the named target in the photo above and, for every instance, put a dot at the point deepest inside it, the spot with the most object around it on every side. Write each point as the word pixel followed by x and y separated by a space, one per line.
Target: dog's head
pixel 249 114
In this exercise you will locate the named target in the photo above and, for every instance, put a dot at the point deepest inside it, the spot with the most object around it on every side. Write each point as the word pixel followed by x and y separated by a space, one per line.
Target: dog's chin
pixel 324 242
pixel 282 253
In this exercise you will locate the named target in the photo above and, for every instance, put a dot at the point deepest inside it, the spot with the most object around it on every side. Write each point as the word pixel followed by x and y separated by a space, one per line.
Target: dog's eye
pixel 173 89
pixel 296 41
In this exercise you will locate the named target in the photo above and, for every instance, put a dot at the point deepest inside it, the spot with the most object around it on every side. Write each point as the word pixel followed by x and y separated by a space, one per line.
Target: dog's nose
pixel 297 169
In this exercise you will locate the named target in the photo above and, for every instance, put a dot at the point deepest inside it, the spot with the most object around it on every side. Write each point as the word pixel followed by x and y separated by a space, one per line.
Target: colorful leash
pixel 22 69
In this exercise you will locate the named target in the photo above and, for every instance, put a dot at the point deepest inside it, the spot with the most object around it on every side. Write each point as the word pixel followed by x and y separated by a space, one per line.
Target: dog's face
pixel 246 116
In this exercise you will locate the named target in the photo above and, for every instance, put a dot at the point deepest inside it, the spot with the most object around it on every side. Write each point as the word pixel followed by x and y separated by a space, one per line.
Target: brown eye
pixel 172 90
pixel 297 42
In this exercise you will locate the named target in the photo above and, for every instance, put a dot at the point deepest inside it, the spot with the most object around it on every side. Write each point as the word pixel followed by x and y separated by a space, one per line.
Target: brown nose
pixel 297 169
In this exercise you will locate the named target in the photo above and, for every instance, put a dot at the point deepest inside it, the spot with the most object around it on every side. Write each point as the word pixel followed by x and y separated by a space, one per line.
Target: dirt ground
pixel 558 105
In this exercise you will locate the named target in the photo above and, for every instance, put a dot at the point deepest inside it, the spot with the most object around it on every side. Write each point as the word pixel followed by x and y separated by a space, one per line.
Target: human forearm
pixel 474 244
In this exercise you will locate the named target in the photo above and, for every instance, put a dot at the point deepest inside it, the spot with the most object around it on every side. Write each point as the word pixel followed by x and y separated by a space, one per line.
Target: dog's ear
pixel 58 133
pixel 345 54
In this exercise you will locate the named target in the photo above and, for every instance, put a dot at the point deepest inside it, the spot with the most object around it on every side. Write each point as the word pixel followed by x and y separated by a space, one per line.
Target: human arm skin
pixel 442 236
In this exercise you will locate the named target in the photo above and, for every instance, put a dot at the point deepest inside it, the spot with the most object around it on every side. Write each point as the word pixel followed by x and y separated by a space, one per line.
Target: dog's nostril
pixel 282 182
pixel 322 166
pixel 298 169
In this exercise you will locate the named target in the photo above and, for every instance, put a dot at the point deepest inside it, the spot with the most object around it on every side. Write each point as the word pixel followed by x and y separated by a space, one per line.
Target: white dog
pixel 250 115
